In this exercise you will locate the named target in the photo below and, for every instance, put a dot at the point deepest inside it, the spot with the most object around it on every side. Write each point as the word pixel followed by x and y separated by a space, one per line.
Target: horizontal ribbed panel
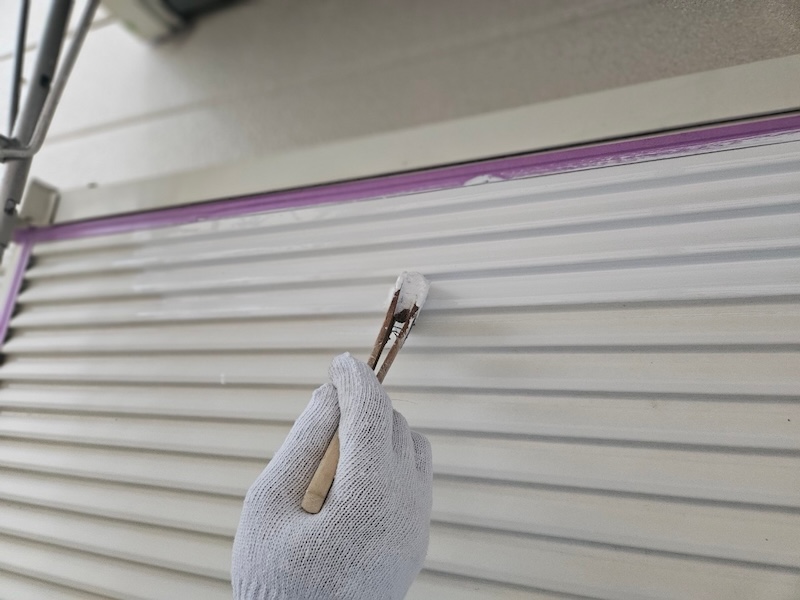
pixel 607 369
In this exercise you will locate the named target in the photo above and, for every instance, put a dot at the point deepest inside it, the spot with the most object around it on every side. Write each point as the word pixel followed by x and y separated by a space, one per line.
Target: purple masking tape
pixel 711 138
pixel 10 301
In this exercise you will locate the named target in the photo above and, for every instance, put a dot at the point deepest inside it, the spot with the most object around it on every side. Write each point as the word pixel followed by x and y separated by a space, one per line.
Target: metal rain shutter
pixel 607 370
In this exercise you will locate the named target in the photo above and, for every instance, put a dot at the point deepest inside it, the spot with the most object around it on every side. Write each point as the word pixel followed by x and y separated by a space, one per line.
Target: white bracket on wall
pixel 39 204
pixel 149 19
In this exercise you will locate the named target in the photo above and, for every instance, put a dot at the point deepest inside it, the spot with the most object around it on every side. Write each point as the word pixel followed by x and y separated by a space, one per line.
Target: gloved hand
pixel 370 538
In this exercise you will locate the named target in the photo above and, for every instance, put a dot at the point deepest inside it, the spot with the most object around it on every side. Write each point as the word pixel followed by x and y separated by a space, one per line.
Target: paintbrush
pixel 405 301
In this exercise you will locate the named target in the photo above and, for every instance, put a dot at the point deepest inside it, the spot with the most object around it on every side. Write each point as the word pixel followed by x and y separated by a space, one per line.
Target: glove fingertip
pixel 294 462
pixel 345 369
pixel 357 386
pixel 324 395
pixel 323 407
pixel 366 411
pixel 313 428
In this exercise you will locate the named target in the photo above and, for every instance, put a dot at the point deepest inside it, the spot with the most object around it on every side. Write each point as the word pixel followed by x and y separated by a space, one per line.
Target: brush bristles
pixel 413 291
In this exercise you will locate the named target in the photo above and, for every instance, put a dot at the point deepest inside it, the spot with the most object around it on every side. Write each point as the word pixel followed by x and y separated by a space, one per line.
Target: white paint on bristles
pixel 413 290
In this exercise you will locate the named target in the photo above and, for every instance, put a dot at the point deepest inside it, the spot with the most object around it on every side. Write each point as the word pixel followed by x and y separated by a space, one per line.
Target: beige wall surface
pixel 276 77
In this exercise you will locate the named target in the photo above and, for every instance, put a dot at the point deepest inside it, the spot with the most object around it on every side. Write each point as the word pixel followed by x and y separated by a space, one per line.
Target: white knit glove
pixel 370 538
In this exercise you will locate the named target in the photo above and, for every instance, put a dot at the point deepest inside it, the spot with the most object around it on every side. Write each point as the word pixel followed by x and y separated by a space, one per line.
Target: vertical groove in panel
pixel 607 370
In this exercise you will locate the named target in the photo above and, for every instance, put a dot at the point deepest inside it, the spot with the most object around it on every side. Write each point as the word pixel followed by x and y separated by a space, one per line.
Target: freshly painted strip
pixel 774 278
pixel 724 240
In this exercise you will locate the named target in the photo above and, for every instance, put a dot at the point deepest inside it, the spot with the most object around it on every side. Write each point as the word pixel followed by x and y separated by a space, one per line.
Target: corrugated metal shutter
pixel 607 369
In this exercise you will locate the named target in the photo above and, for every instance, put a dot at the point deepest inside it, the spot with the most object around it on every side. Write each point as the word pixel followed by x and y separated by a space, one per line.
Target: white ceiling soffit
pixel 754 89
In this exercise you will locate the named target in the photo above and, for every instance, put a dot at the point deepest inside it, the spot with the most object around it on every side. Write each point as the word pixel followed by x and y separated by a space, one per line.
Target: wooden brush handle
pixel 317 491
pixel 322 481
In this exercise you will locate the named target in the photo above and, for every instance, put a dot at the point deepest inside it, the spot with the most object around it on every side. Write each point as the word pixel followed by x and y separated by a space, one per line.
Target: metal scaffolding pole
pixel 37 113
